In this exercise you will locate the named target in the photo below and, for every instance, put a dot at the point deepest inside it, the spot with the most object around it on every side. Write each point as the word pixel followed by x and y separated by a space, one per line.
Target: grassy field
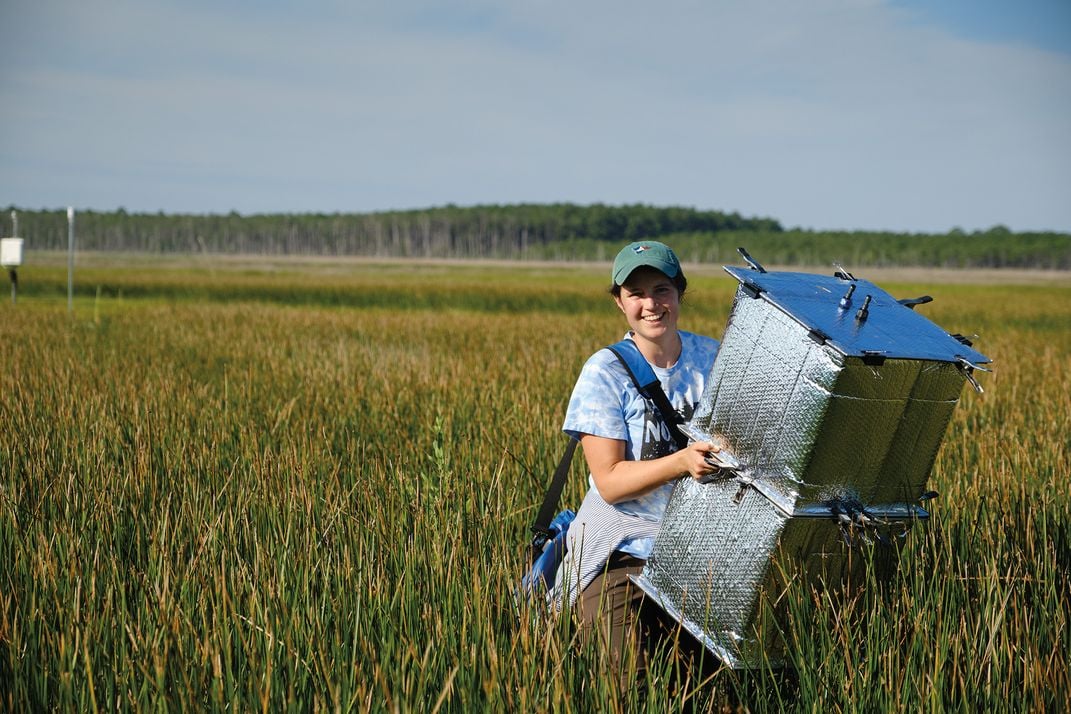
pixel 306 486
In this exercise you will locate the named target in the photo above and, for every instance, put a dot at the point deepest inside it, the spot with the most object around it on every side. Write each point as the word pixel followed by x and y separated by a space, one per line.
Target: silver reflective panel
pixel 831 448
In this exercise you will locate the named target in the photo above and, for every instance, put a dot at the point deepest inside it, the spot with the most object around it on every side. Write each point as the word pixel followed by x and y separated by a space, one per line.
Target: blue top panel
pixel 889 330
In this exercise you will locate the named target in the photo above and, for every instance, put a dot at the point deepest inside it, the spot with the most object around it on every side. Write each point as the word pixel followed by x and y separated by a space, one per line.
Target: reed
pixel 308 489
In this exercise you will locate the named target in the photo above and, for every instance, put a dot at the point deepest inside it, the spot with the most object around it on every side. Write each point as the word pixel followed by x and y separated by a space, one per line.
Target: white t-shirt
pixel 605 402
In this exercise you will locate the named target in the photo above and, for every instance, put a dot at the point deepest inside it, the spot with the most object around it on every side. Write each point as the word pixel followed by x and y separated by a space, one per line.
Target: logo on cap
pixel 640 248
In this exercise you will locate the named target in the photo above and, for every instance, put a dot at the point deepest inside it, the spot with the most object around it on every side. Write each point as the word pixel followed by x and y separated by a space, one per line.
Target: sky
pixel 898 115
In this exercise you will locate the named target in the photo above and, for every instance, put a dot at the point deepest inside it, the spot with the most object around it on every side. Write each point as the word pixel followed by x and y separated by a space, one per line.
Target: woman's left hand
pixel 694 459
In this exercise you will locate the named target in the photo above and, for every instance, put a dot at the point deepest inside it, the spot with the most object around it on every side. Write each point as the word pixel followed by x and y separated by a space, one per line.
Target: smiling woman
pixel 631 453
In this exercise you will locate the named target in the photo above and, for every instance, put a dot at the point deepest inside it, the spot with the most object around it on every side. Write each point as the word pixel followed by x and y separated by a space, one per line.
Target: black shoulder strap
pixel 541 525
pixel 639 370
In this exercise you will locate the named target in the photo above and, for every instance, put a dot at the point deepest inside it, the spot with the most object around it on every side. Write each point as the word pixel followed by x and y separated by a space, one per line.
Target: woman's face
pixel 651 304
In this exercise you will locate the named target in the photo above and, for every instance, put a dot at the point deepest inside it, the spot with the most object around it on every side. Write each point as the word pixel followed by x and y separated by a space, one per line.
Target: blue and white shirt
pixel 605 402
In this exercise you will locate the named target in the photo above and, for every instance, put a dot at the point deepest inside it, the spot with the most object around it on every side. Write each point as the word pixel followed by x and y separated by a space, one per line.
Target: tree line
pixel 450 231
pixel 532 231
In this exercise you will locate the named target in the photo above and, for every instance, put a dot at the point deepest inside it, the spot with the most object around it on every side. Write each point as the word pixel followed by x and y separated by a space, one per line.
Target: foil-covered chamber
pixel 835 415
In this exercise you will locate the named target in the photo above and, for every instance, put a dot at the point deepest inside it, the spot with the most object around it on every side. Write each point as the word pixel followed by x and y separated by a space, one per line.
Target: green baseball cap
pixel 645 253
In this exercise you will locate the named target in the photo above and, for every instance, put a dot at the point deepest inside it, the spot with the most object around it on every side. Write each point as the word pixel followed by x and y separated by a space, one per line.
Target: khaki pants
pixel 617 611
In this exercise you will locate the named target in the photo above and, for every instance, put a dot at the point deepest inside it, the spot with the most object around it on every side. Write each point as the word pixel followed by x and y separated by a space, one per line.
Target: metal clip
pixel 751 261
pixel 912 302
pixel 840 272
pixel 967 363
pixel 744 484
pixel 719 475
pixel 752 290
pixel 967 367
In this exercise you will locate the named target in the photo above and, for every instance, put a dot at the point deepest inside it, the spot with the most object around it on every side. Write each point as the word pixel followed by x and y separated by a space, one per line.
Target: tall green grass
pixel 309 490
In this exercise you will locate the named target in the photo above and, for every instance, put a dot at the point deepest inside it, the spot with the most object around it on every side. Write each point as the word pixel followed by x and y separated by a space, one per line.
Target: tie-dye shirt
pixel 605 402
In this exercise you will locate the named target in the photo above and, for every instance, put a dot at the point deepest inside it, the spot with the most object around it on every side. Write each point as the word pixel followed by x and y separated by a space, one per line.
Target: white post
pixel 13 265
pixel 70 259
pixel 14 274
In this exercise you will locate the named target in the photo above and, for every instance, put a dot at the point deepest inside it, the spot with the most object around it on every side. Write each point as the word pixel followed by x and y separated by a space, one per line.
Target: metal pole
pixel 70 259
pixel 14 271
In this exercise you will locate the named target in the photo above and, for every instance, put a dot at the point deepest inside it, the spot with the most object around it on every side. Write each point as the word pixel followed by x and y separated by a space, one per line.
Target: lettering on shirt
pixel 657 439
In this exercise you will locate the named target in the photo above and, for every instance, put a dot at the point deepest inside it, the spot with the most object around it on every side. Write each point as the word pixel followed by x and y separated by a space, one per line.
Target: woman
pixel 630 451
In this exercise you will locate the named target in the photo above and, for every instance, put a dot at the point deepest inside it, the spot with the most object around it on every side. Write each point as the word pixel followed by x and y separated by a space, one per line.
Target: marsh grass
pixel 310 490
